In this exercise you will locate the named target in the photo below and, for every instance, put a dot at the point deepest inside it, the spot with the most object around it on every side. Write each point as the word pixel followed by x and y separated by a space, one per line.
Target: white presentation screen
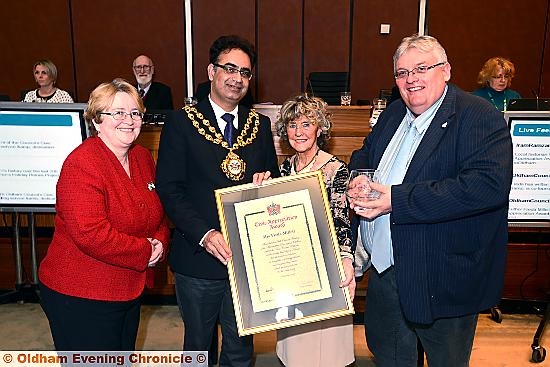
pixel 530 194
pixel 35 139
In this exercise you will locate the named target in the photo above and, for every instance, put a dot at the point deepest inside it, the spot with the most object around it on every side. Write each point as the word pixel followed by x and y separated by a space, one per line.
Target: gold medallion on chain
pixel 233 166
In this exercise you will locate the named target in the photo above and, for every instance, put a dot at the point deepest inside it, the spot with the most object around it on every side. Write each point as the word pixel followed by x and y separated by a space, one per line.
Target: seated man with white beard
pixel 155 95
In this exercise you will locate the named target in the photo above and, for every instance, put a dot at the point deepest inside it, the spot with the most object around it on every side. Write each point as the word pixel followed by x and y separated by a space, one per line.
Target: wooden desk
pixel 350 126
pixel 527 274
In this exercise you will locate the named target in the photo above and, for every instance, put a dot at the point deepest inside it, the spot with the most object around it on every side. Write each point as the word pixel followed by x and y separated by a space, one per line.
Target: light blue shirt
pixel 421 122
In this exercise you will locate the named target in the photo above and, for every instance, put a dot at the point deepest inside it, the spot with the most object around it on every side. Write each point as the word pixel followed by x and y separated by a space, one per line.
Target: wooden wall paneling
pixel 326 36
pixel 512 29
pixel 279 47
pixel 40 220
pixel 372 53
pixel 7 268
pixel 212 19
pixel 164 284
pixel 108 37
pixel 32 30
pixel 527 272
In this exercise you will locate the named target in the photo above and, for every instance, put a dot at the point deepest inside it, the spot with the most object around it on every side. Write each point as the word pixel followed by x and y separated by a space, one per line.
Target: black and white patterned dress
pixel 335 175
pixel 327 343
pixel 59 96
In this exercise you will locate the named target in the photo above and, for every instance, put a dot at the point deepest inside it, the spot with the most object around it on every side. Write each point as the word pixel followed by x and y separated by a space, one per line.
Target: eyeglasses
pixel 422 69
pixel 121 115
pixel 233 69
pixel 306 126
pixel 505 76
pixel 145 68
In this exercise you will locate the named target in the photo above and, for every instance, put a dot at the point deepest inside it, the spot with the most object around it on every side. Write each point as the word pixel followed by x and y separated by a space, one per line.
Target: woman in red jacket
pixel 110 229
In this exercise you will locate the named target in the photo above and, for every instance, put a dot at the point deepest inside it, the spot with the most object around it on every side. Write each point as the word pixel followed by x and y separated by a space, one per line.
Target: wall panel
pixel 31 30
pixel 326 36
pixel 109 35
pixel 279 47
pixel 372 65
pixel 512 29
pixel 213 18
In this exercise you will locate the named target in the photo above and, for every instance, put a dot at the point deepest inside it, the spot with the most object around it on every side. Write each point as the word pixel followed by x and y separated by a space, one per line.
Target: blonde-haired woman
pixel 110 230
pixel 45 75
pixel 495 79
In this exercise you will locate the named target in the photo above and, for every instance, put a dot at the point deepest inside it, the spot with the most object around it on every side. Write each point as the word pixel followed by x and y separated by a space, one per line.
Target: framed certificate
pixel 286 266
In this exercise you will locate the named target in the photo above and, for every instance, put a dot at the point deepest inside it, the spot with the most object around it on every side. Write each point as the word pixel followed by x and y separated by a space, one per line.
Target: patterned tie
pixel 382 251
pixel 141 92
pixel 229 132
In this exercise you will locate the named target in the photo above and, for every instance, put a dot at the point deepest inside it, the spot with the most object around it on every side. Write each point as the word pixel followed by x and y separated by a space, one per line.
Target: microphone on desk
pixel 536 96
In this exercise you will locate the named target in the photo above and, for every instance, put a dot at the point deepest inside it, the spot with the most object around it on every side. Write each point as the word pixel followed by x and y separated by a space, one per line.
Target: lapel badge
pixel 151 186
pixel 444 125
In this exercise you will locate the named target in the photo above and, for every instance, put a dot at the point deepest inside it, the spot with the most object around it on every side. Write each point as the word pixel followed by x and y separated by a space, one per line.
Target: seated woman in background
pixel 495 79
pixel 45 74
pixel 304 123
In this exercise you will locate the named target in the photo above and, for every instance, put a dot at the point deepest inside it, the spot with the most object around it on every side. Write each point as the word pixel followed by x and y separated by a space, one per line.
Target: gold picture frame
pixel 286 266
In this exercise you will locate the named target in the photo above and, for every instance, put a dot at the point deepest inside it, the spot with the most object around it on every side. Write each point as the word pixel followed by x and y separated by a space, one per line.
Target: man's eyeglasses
pixel 121 115
pixel 233 69
pixel 145 68
pixel 422 69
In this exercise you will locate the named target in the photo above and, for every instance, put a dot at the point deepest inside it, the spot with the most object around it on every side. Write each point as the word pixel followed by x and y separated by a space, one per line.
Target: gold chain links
pixel 217 138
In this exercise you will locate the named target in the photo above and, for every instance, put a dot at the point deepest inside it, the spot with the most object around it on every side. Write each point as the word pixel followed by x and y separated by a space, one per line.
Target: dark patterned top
pixel 335 175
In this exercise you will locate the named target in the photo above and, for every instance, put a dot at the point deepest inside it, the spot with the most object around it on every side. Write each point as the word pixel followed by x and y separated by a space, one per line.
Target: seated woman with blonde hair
pixel 45 75
pixel 495 79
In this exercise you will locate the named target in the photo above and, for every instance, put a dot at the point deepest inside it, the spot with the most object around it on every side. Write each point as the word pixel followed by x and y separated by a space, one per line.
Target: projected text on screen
pixel 33 146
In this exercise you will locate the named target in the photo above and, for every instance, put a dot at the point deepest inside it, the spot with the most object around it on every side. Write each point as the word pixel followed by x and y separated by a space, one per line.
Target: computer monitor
pixel 35 139
pixel 530 194
pixel 529 104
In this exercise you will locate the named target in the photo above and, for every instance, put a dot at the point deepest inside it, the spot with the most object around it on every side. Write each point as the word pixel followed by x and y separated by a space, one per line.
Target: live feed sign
pixel 530 193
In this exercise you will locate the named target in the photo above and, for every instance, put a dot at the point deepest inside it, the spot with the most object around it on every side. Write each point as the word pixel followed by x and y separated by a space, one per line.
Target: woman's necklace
pixel 308 166
pixel 495 104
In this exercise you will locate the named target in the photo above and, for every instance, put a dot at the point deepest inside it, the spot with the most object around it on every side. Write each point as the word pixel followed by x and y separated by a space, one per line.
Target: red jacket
pixel 100 249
